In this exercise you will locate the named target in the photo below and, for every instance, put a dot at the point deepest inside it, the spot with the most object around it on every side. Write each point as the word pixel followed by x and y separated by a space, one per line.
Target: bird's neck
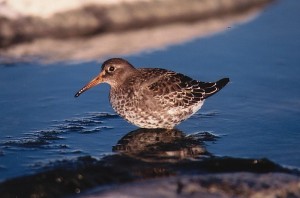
pixel 126 79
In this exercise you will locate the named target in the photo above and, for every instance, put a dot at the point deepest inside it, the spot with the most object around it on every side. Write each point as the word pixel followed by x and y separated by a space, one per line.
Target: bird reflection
pixel 169 145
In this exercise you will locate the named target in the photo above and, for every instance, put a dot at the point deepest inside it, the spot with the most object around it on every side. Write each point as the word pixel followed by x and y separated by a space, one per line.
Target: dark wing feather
pixel 212 88
pixel 180 90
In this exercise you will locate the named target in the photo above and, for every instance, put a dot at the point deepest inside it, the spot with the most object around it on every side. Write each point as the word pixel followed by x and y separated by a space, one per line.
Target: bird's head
pixel 113 71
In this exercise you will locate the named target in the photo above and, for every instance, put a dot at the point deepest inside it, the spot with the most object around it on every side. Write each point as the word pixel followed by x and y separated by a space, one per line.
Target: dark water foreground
pixel 182 163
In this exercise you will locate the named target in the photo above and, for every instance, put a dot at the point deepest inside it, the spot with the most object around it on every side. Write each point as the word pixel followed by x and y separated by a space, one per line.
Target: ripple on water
pixel 87 123
pixel 29 142
pixel 207 114
pixel 204 136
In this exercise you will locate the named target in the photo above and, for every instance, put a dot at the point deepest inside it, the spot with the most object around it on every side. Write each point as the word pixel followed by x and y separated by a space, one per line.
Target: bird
pixel 152 97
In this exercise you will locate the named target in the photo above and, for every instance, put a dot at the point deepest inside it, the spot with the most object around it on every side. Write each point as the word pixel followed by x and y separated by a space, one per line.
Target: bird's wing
pixel 171 88
pixel 176 89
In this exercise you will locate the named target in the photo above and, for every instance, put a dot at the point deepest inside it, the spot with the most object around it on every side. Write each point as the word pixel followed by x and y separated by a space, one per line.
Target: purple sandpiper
pixel 152 97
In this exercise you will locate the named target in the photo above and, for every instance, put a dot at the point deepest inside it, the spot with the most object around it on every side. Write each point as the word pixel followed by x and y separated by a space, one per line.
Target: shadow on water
pixel 140 154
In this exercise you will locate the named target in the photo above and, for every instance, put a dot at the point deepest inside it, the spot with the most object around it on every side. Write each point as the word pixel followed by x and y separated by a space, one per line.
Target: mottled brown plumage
pixel 152 97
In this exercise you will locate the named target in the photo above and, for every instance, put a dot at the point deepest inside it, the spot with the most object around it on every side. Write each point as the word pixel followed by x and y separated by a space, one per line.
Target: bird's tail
pixel 213 88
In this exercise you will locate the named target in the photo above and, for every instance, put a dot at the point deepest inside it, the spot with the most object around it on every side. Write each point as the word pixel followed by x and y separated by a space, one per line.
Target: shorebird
pixel 152 97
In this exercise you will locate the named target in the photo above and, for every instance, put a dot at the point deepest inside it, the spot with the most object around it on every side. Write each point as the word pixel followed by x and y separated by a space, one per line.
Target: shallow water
pixel 256 115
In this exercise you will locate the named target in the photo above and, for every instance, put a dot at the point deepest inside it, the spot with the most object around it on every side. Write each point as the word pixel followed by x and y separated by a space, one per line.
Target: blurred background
pixel 93 29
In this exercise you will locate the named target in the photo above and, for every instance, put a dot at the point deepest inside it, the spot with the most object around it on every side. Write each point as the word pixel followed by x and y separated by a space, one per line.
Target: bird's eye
pixel 111 69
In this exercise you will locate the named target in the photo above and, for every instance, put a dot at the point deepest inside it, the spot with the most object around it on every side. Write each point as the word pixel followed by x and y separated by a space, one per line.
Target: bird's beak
pixel 97 80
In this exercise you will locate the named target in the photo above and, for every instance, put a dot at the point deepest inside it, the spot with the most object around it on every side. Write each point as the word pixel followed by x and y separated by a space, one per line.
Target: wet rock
pixel 210 185
pixel 65 178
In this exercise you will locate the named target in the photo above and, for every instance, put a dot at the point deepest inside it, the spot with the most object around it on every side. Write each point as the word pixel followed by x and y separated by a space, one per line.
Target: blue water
pixel 256 115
